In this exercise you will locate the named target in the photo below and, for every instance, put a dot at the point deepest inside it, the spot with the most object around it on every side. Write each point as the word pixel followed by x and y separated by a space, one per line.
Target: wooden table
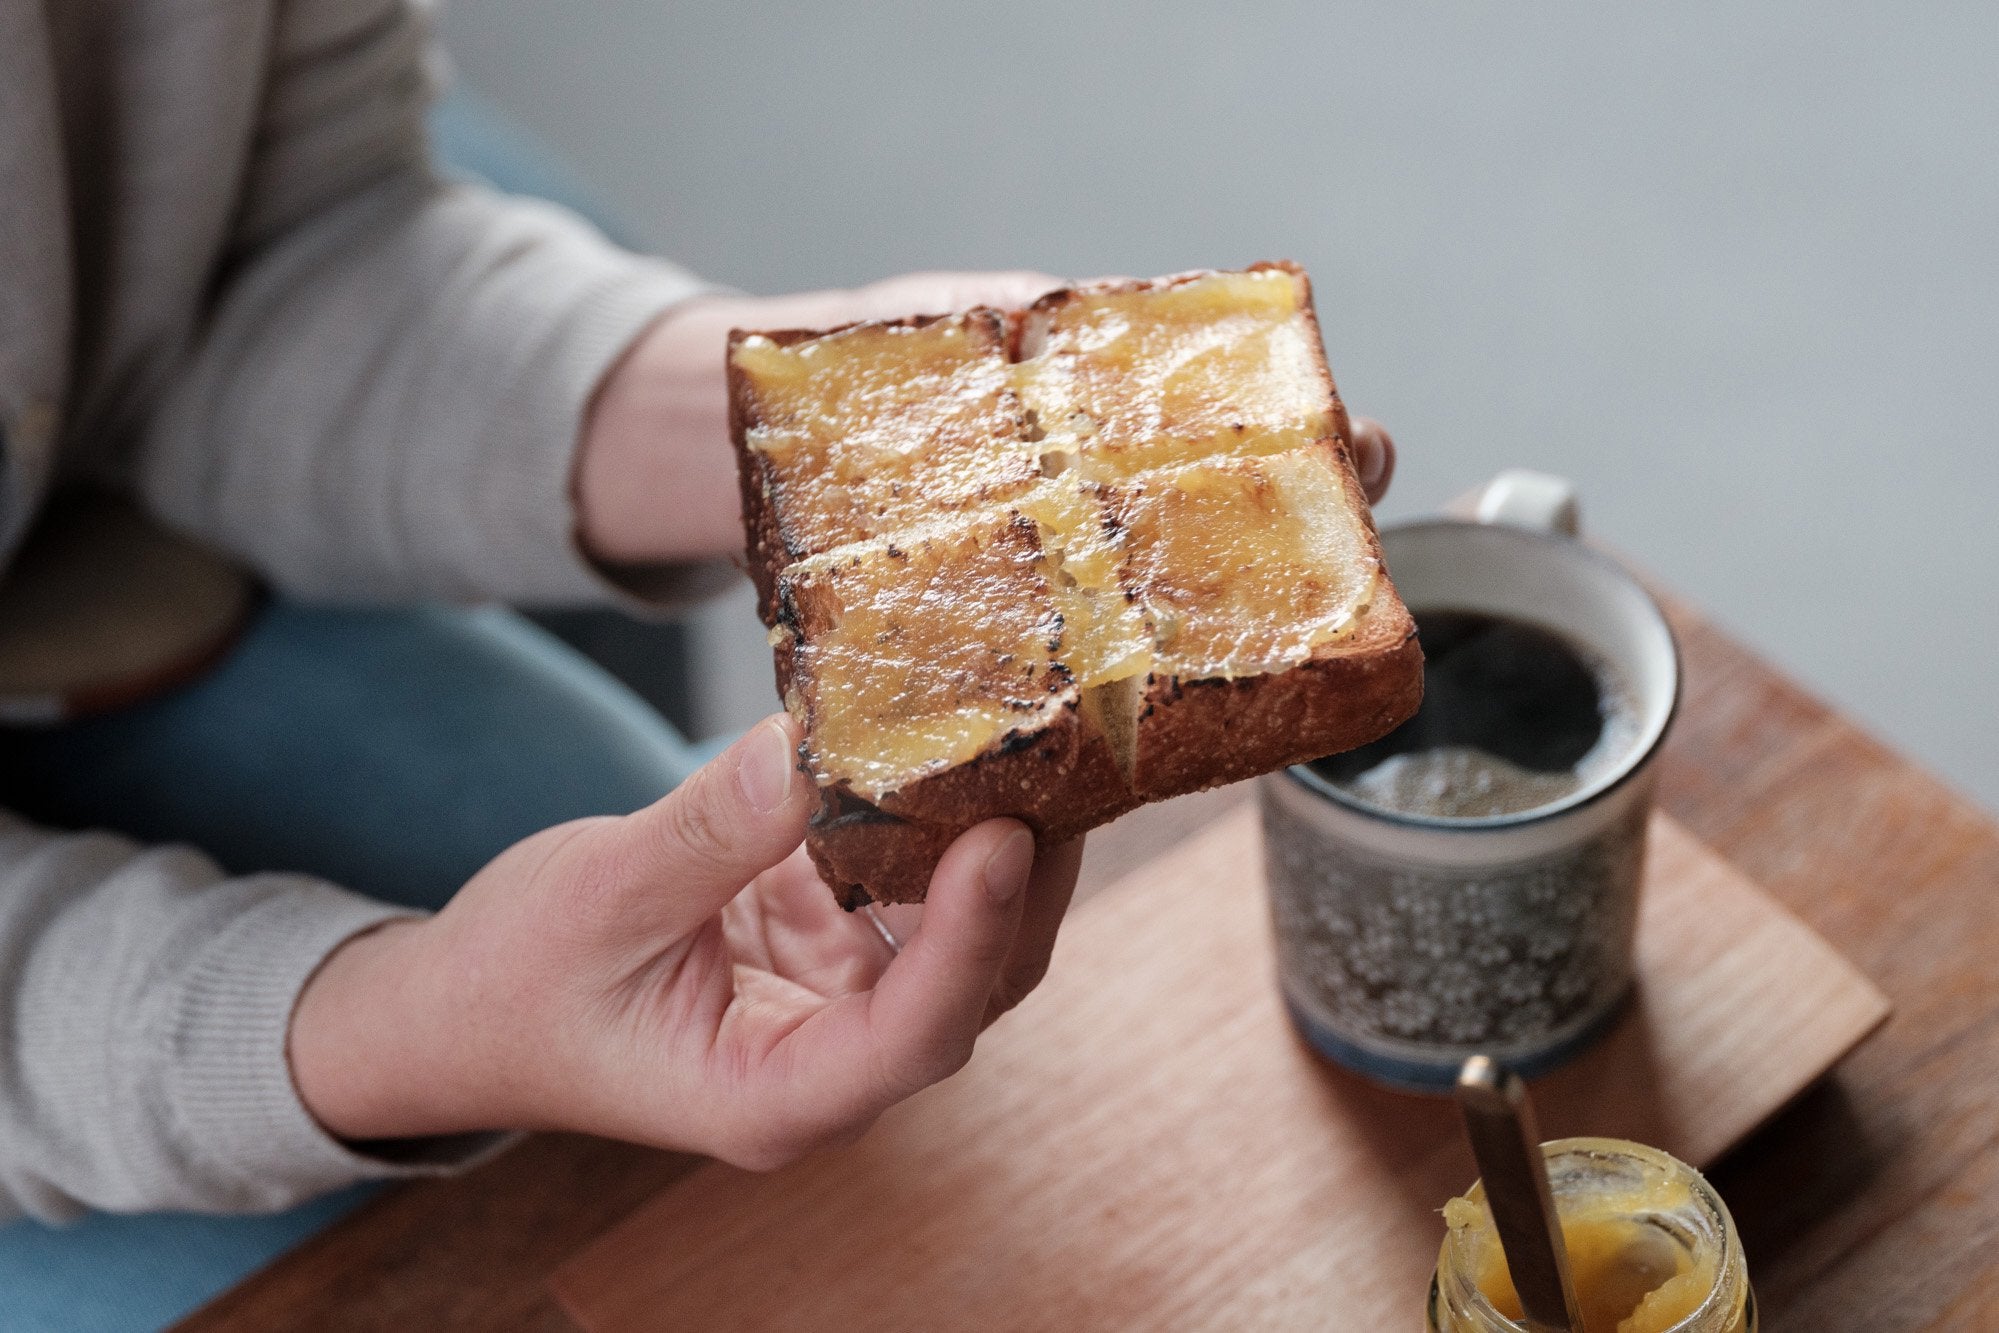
pixel 1872 1203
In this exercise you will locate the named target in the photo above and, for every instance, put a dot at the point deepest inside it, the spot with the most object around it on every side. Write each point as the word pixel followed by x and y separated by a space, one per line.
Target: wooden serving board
pixel 1145 1143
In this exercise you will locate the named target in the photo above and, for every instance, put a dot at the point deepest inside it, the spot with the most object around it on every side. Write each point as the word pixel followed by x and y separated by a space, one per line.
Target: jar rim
pixel 1728 1262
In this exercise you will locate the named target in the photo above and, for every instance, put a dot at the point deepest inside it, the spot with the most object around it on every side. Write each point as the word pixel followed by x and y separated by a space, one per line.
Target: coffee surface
pixel 1514 717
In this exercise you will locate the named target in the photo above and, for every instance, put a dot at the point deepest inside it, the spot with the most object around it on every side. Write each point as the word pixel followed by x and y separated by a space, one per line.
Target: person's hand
pixel 678 977
pixel 655 475
pixel 1373 457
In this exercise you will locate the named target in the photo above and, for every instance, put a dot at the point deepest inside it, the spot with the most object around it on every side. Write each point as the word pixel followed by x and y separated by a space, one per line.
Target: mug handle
pixel 1519 498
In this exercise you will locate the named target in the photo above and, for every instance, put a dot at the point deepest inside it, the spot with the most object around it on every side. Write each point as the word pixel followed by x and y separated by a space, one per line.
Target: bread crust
pixel 1061 774
pixel 1061 781
pixel 866 855
pixel 1203 733
pixel 756 481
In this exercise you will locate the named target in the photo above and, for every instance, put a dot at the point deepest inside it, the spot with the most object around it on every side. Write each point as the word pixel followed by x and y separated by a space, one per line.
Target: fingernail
pixel 1007 867
pixel 766 769
pixel 1371 460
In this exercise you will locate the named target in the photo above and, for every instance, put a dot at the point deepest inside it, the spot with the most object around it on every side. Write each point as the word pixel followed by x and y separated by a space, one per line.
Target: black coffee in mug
pixel 1514 717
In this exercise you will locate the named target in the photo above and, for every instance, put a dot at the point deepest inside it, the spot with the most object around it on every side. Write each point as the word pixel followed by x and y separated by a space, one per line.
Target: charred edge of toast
pixel 865 854
pixel 755 485
pixel 839 816
pixel 789 618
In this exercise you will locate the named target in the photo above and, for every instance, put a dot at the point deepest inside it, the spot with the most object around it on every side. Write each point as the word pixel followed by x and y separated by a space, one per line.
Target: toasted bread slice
pixel 1119 556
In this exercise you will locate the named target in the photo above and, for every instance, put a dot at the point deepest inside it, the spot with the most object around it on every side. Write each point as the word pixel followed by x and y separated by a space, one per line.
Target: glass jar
pixel 1651 1247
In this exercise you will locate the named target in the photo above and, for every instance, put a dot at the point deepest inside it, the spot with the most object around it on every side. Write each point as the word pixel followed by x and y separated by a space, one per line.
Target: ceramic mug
pixel 1407 942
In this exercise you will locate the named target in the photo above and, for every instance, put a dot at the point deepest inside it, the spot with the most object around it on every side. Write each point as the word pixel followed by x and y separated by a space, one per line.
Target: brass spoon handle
pixel 1505 1141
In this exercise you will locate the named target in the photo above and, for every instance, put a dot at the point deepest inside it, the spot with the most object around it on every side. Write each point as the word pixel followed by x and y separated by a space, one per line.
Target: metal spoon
pixel 1499 1122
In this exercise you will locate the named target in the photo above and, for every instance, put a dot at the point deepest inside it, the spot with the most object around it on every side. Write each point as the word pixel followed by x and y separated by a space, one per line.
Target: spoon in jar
pixel 1506 1143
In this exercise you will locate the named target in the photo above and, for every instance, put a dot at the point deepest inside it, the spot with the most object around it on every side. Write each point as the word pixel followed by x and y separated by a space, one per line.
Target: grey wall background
pixel 1734 269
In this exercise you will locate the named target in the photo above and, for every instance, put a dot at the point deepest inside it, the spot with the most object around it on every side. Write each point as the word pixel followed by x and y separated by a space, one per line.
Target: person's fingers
pixel 1373 457
pixel 928 1007
pixel 863 1053
pixel 676 862
pixel 790 924
pixel 1049 890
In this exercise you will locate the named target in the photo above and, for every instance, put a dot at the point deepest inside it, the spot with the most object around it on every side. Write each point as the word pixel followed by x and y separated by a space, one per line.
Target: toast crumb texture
pixel 1058 564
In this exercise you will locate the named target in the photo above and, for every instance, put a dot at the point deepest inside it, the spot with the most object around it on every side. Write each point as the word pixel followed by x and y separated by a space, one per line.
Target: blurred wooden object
pixel 1871 1203
pixel 103 607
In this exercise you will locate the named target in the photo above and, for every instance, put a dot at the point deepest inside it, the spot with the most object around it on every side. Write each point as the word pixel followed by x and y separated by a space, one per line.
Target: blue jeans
pixel 394 752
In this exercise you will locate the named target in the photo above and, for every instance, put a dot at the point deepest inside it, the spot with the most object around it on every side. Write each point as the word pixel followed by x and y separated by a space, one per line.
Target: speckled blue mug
pixel 1406 942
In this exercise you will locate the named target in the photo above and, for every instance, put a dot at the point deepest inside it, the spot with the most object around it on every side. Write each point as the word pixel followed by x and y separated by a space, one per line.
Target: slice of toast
pixel 1108 551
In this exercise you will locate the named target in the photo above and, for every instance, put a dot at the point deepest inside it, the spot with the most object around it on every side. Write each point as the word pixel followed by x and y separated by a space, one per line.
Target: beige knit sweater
pixel 231 281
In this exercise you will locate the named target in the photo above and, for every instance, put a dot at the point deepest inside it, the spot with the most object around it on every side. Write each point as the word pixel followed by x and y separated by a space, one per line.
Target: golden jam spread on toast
pixel 879 426
pixel 1144 379
pixel 926 650
pixel 1149 487
pixel 1244 565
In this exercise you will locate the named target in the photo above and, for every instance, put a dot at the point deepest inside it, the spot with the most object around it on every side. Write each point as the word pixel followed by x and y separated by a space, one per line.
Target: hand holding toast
pixel 680 976
pixel 677 977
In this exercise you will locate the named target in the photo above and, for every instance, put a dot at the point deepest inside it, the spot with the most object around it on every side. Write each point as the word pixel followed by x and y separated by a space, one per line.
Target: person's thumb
pixel 864 1052
pixel 693 850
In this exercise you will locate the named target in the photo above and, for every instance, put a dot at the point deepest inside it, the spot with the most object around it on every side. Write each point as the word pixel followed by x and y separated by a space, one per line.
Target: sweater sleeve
pixel 385 398
pixel 142 1046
